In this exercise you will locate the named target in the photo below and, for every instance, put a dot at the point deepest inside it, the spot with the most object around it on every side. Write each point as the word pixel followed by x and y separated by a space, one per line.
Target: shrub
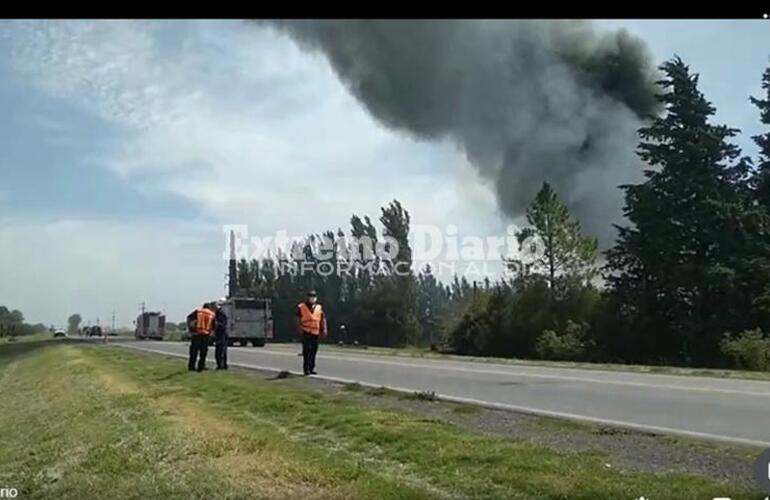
pixel 749 350
pixel 571 344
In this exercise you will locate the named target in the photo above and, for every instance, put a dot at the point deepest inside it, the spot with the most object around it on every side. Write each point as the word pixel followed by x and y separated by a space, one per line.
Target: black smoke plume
pixel 526 101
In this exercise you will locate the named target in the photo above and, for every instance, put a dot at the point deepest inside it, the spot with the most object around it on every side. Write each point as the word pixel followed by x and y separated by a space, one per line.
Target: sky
pixel 127 146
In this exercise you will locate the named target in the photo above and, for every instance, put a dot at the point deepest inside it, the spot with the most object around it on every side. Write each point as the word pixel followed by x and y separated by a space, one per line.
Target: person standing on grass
pixel 201 324
pixel 311 324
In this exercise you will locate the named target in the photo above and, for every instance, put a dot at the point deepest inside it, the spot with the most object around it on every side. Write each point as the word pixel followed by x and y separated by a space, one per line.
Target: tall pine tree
pixel 399 288
pixel 762 176
pixel 566 256
pixel 760 184
pixel 676 271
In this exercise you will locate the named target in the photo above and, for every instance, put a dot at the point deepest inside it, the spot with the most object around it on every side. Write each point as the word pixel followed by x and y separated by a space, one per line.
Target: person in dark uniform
pixel 220 338
pixel 311 324
pixel 201 324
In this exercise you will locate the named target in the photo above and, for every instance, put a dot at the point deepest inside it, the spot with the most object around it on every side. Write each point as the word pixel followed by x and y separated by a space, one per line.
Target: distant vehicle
pixel 92 331
pixel 248 320
pixel 150 325
pixel 59 333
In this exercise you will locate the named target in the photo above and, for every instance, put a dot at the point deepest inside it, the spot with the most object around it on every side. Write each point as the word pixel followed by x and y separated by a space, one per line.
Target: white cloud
pixel 233 117
pixel 53 268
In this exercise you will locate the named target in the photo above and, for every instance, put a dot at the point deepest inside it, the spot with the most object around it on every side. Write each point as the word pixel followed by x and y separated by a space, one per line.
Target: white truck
pixel 150 325
pixel 248 320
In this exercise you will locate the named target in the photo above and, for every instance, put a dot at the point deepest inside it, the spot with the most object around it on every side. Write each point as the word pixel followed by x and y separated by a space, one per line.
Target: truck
pixel 150 325
pixel 248 320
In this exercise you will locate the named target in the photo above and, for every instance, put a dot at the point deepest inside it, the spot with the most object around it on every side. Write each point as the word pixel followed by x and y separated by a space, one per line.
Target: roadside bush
pixel 526 314
pixel 475 327
pixel 749 350
pixel 569 345
pixel 510 322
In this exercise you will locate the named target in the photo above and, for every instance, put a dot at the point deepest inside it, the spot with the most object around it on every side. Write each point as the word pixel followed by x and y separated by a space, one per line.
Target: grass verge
pixel 86 421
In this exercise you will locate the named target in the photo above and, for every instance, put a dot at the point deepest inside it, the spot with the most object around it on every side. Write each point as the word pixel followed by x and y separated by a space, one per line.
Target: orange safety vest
pixel 310 321
pixel 204 321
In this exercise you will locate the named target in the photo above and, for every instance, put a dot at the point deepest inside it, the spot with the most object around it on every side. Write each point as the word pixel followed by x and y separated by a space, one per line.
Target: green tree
pixel 364 262
pixel 245 277
pixel 761 178
pixel 398 288
pixel 759 265
pixel 552 285
pixel 478 328
pixel 12 324
pixel 432 305
pixel 11 316
pixel 395 221
pixel 561 252
pixel 73 323
pixel 675 270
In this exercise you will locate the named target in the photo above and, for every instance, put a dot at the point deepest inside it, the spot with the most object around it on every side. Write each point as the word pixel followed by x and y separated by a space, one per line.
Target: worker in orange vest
pixel 311 324
pixel 200 323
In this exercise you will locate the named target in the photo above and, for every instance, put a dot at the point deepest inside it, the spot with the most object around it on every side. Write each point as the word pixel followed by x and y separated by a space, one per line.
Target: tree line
pixel 12 324
pixel 687 281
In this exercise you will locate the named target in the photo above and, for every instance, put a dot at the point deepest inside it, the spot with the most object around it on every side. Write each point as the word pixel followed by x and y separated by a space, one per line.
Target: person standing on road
pixel 311 324
pixel 220 337
pixel 201 324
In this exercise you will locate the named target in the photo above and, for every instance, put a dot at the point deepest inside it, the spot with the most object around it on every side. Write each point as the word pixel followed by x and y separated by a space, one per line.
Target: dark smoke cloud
pixel 526 101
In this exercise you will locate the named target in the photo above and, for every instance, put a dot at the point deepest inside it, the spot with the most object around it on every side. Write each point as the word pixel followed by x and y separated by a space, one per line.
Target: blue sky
pixel 127 145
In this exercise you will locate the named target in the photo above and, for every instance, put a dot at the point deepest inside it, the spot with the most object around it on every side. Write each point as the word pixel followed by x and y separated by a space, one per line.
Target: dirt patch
pixel 117 385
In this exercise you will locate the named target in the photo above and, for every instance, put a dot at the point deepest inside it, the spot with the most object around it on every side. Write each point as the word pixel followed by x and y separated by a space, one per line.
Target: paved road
pixel 712 408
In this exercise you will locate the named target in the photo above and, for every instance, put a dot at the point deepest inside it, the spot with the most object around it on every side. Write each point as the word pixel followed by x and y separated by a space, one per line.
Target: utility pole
pixel 232 270
pixel 113 321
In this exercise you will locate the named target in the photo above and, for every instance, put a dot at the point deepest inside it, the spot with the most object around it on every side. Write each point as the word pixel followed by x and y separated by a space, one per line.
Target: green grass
pixel 35 337
pixel 466 410
pixel 81 420
pixel 416 352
